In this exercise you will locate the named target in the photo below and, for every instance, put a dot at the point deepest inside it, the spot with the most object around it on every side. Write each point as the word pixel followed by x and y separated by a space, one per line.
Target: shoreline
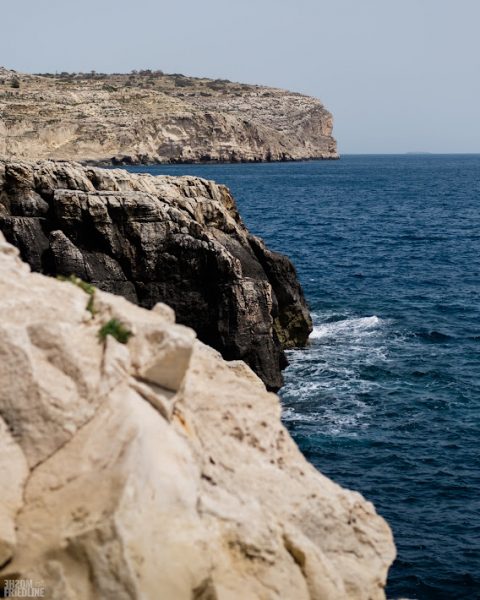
pixel 129 162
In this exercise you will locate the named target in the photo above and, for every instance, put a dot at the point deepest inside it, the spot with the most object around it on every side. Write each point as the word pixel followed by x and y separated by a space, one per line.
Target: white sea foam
pixel 326 383
pixel 346 420
pixel 345 327
pixel 290 414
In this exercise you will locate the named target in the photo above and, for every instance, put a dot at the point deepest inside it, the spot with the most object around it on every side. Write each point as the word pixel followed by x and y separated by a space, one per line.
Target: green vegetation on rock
pixel 116 330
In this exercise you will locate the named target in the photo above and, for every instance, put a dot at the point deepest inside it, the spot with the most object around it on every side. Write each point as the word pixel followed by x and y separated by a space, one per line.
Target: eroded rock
pixel 178 240
pixel 124 489
pixel 130 119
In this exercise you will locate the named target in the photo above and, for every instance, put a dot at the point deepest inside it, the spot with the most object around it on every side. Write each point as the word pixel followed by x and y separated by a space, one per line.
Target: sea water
pixel 386 398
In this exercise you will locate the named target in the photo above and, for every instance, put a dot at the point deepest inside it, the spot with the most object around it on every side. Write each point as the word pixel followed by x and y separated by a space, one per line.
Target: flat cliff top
pixel 153 117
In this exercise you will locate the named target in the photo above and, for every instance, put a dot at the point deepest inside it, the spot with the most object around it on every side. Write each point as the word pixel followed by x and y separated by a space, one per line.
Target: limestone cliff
pixel 155 470
pixel 152 117
pixel 173 239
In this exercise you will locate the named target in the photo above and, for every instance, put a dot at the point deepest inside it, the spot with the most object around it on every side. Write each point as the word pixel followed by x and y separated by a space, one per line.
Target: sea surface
pixel 386 399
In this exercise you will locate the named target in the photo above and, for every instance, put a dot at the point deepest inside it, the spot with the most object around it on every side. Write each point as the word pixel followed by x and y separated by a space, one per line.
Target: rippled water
pixel 386 399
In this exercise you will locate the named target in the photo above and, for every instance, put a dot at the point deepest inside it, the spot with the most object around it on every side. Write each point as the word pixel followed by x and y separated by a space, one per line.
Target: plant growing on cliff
pixel 116 330
pixel 88 288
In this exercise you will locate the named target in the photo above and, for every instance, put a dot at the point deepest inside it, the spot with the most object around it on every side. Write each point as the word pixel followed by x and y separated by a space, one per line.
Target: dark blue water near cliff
pixel 386 400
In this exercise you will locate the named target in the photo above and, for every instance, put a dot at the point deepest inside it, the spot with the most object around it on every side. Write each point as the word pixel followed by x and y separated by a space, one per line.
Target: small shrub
pixel 179 82
pixel 116 330
pixel 15 83
pixel 218 84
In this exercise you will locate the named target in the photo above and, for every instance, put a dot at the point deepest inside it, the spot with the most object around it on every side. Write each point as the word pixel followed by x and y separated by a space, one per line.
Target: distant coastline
pixel 149 117
pixel 418 153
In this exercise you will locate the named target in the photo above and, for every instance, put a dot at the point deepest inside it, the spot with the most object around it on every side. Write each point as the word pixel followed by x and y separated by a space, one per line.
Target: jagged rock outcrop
pixel 178 240
pixel 155 469
pixel 152 117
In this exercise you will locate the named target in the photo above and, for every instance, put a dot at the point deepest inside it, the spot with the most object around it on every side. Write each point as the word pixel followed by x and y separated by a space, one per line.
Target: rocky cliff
pixel 153 469
pixel 152 117
pixel 178 240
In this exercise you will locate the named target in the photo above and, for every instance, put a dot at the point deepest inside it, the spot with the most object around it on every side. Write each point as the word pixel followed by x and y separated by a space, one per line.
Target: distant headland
pixel 147 117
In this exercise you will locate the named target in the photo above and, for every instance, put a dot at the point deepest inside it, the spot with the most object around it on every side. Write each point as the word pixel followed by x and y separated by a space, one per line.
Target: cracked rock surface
pixel 155 118
pixel 155 469
pixel 178 240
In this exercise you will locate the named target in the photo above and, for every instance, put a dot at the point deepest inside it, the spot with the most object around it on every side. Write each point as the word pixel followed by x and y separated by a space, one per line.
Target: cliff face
pixel 157 118
pixel 154 469
pixel 178 240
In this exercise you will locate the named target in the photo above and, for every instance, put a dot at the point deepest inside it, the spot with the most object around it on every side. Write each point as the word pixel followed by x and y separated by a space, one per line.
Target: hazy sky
pixel 398 75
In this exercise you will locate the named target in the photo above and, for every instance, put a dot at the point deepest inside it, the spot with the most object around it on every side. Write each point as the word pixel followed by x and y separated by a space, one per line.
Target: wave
pixel 333 421
pixel 435 337
pixel 332 380
pixel 346 326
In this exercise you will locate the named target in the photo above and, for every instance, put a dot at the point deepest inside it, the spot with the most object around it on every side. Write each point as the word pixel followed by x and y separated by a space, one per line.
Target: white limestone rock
pixel 150 478
pixel 13 474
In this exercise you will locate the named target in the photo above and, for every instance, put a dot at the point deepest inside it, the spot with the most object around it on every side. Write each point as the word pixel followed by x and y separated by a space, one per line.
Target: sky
pixel 398 75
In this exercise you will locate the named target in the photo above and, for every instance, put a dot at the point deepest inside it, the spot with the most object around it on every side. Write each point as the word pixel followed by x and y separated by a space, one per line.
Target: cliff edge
pixel 150 117
pixel 178 240
pixel 154 469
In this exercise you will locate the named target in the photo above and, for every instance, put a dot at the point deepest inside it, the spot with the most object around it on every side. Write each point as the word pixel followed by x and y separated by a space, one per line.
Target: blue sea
pixel 386 399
